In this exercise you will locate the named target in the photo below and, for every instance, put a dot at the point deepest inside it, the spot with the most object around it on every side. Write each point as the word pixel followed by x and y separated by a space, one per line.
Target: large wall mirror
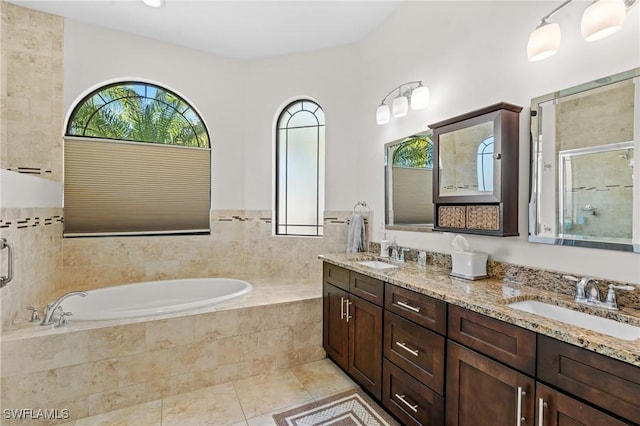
pixel 408 165
pixel 584 183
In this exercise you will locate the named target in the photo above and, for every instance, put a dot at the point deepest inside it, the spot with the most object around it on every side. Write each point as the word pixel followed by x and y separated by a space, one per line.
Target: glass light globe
pixel 544 41
pixel 602 19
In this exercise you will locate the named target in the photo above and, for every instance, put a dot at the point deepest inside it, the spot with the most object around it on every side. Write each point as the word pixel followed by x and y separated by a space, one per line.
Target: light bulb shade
pixel 544 41
pixel 400 106
pixel 154 3
pixel 602 18
pixel 420 97
pixel 383 114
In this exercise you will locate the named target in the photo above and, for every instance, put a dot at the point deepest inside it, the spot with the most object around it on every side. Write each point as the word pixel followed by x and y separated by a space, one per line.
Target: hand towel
pixel 355 238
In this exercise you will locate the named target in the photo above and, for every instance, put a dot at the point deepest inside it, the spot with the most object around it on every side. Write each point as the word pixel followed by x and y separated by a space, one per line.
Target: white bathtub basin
pixel 579 319
pixel 376 264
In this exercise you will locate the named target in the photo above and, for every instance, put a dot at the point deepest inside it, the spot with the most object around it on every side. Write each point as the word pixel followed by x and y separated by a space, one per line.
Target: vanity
pixel 441 350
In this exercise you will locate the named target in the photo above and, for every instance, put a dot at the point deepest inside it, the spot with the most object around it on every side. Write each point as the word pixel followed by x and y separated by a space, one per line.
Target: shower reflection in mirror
pixel 584 185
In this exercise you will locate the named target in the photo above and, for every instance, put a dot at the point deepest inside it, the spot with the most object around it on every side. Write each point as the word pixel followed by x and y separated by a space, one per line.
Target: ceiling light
pixel 412 93
pixel 154 3
pixel 602 18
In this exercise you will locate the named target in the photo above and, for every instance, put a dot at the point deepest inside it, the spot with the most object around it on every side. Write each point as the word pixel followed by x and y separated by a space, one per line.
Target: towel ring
pixel 361 204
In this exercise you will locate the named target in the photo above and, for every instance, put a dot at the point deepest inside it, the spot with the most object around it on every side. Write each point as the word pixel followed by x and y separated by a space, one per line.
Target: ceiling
pixel 233 28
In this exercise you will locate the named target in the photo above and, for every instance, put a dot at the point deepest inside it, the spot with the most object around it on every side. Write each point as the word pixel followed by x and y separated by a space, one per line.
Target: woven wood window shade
pixel 114 187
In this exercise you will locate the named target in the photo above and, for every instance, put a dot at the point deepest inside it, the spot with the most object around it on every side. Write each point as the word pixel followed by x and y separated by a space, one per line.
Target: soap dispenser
pixel 384 244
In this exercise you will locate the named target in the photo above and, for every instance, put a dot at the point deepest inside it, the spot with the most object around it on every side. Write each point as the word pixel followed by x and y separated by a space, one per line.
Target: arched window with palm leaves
pixel 137 161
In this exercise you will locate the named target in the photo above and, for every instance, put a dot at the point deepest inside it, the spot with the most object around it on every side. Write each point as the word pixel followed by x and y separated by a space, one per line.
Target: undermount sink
pixel 579 319
pixel 376 264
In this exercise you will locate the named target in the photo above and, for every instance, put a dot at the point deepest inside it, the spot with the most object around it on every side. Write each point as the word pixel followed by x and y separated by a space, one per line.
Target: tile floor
pixel 246 402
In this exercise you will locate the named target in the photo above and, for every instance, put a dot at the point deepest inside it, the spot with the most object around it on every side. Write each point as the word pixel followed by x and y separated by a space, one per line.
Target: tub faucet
pixel 50 310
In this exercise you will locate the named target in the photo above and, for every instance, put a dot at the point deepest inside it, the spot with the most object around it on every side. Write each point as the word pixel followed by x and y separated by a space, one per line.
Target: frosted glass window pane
pixel 302 119
pixel 300 171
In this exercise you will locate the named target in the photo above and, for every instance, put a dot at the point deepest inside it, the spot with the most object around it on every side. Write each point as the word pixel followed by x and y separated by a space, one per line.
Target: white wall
pixel 471 54
pixel 94 55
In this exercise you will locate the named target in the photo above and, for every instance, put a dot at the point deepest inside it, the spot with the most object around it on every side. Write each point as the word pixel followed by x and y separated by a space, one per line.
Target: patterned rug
pixel 350 408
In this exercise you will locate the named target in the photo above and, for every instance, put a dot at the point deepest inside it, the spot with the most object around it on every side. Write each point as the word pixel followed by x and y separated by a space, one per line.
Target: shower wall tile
pixel 35 235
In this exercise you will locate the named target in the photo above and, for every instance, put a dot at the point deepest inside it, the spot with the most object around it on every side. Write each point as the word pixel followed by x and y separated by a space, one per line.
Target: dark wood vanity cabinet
pixel 433 363
pixel 414 356
pixel 606 383
pixel 352 326
pixel 490 369
pixel 555 408
pixel 475 187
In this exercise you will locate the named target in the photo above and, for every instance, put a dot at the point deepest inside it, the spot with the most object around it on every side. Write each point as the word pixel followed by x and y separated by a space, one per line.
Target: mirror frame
pixel 562 239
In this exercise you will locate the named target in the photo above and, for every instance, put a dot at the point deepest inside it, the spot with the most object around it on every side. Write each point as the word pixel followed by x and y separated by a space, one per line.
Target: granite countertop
pixel 490 297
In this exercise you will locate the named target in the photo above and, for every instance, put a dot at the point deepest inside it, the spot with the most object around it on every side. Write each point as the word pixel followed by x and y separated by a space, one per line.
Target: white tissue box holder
pixel 470 265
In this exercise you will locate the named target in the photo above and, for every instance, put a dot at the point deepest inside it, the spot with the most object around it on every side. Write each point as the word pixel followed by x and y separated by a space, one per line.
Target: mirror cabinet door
pixel 476 184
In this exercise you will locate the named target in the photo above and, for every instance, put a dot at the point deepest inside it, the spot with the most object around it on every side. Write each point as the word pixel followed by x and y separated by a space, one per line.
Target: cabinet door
pixel 481 391
pixel 365 344
pixel 335 329
pixel 557 409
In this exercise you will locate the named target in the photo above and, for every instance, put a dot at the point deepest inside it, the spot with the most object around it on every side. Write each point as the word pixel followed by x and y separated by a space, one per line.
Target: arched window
pixel 137 161
pixel 485 165
pixel 300 135
pixel 414 151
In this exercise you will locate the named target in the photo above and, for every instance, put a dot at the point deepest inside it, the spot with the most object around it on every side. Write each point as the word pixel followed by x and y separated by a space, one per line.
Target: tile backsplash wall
pixel 35 236
pixel 241 243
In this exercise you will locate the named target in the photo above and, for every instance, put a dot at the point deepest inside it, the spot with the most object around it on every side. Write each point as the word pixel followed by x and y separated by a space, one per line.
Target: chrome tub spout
pixel 50 310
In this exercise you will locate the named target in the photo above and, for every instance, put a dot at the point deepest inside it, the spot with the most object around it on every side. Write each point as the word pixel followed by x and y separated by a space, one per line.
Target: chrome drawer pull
pixel 404 346
pixel 407 306
pixel 342 308
pixel 348 316
pixel 541 406
pixel 413 408
pixel 519 419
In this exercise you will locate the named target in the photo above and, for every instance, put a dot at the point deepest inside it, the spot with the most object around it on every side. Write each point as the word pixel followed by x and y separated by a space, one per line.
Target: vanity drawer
pixel 608 383
pixel 409 400
pixel 366 287
pixel 418 351
pixel 335 275
pixel 499 340
pixel 424 310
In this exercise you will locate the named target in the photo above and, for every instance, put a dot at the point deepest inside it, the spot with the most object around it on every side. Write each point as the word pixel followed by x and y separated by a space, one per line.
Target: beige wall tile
pixel 145 367
pixel 117 341
pixel 170 332
pixel 86 379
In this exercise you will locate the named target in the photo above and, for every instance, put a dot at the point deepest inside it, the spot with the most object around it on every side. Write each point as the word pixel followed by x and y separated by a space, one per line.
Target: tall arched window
pixel 300 169
pixel 485 165
pixel 137 160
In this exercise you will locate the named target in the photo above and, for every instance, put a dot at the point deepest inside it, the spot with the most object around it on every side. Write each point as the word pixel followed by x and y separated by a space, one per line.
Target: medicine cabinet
pixel 475 188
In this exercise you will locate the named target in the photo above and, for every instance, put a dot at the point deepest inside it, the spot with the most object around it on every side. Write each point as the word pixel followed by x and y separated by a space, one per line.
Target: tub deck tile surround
pixel 490 297
pixel 96 367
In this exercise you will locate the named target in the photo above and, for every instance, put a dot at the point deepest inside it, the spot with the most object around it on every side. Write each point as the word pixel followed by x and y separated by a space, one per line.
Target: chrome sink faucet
pixel 50 310
pixel 591 289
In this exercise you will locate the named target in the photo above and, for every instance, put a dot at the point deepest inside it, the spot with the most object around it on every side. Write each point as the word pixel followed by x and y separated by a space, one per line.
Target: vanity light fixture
pixel 154 3
pixel 412 94
pixel 601 19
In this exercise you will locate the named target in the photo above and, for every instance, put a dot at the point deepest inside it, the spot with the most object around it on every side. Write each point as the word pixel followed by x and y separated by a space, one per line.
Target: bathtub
pixel 153 298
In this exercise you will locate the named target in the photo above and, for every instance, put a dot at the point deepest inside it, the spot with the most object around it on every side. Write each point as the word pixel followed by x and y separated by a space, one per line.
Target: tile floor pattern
pixel 247 402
